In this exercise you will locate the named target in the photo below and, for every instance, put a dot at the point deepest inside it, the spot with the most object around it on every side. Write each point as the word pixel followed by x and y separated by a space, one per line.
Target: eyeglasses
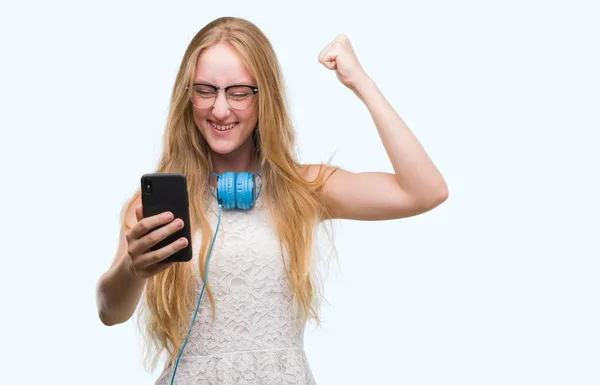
pixel 238 96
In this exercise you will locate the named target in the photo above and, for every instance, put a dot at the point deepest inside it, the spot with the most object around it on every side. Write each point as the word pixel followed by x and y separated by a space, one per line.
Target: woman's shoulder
pixel 311 172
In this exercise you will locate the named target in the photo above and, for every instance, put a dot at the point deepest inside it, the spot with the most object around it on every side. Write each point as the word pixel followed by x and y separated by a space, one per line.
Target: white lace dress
pixel 255 337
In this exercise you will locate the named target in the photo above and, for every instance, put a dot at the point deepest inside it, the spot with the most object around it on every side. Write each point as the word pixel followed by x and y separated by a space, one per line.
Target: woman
pixel 228 114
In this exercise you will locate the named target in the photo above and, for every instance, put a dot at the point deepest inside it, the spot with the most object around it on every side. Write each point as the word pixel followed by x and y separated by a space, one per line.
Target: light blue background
pixel 499 285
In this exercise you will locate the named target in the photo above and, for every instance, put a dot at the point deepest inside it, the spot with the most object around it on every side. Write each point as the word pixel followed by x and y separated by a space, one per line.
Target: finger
pixel 342 39
pixel 143 244
pixel 146 225
pixel 139 213
pixel 330 63
pixel 329 59
pixel 150 259
pixel 324 51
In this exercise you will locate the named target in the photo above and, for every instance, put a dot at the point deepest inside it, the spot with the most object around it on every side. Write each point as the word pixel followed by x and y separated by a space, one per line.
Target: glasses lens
pixel 203 96
pixel 240 97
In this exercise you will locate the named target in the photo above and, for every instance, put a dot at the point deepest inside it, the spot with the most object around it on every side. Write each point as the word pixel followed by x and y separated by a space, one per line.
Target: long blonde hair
pixel 290 198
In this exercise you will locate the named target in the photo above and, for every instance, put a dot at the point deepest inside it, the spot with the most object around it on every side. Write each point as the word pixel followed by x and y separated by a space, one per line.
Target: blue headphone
pixel 237 190
pixel 233 191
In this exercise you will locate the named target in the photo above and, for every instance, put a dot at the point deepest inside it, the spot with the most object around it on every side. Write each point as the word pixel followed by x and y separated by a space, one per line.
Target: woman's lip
pixel 212 124
pixel 222 124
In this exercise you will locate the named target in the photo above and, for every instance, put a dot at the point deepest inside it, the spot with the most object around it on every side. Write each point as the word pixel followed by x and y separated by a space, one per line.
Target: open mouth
pixel 222 128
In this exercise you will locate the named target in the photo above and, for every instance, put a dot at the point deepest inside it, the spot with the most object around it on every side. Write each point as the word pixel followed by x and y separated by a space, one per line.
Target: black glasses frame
pixel 225 89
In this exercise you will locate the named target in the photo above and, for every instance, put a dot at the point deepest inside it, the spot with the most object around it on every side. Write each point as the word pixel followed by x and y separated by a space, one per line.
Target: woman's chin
pixel 224 146
pixel 221 149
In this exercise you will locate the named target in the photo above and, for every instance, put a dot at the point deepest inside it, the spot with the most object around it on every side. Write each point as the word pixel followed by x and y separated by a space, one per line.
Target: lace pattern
pixel 256 336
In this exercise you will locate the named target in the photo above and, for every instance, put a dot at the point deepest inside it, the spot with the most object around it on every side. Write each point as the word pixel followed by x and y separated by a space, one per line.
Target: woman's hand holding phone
pixel 148 232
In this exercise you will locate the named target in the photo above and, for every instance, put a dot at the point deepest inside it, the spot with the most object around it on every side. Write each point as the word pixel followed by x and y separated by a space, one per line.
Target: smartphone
pixel 168 192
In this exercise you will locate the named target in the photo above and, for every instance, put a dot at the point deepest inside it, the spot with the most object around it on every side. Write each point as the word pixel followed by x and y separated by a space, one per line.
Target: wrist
pixel 127 268
pixel 364 87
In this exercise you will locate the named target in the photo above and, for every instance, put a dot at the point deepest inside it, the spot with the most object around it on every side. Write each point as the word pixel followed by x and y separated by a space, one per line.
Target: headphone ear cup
pixel 244 191
pixel 226 189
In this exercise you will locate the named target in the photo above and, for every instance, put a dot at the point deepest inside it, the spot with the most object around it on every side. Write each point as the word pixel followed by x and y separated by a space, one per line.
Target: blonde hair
pixel 290 198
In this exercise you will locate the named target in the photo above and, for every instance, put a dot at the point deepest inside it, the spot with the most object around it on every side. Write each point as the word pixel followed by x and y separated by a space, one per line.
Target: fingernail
pixel 168 216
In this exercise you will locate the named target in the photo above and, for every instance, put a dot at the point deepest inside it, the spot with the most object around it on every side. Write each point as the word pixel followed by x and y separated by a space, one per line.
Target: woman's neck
pixel 244 158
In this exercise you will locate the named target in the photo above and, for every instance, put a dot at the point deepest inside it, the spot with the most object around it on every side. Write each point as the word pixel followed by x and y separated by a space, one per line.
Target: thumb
pixel 327 57
pixel 330 63
pixel 139 214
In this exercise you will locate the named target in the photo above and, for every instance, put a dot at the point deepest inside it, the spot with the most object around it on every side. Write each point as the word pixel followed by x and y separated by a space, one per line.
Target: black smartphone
pixel 168 192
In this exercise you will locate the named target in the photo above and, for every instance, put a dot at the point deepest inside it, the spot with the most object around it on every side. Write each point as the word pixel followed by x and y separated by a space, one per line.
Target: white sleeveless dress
pixel 256 337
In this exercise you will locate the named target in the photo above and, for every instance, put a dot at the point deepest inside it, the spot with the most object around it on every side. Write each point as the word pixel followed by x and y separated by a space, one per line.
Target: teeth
pixel 223 128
